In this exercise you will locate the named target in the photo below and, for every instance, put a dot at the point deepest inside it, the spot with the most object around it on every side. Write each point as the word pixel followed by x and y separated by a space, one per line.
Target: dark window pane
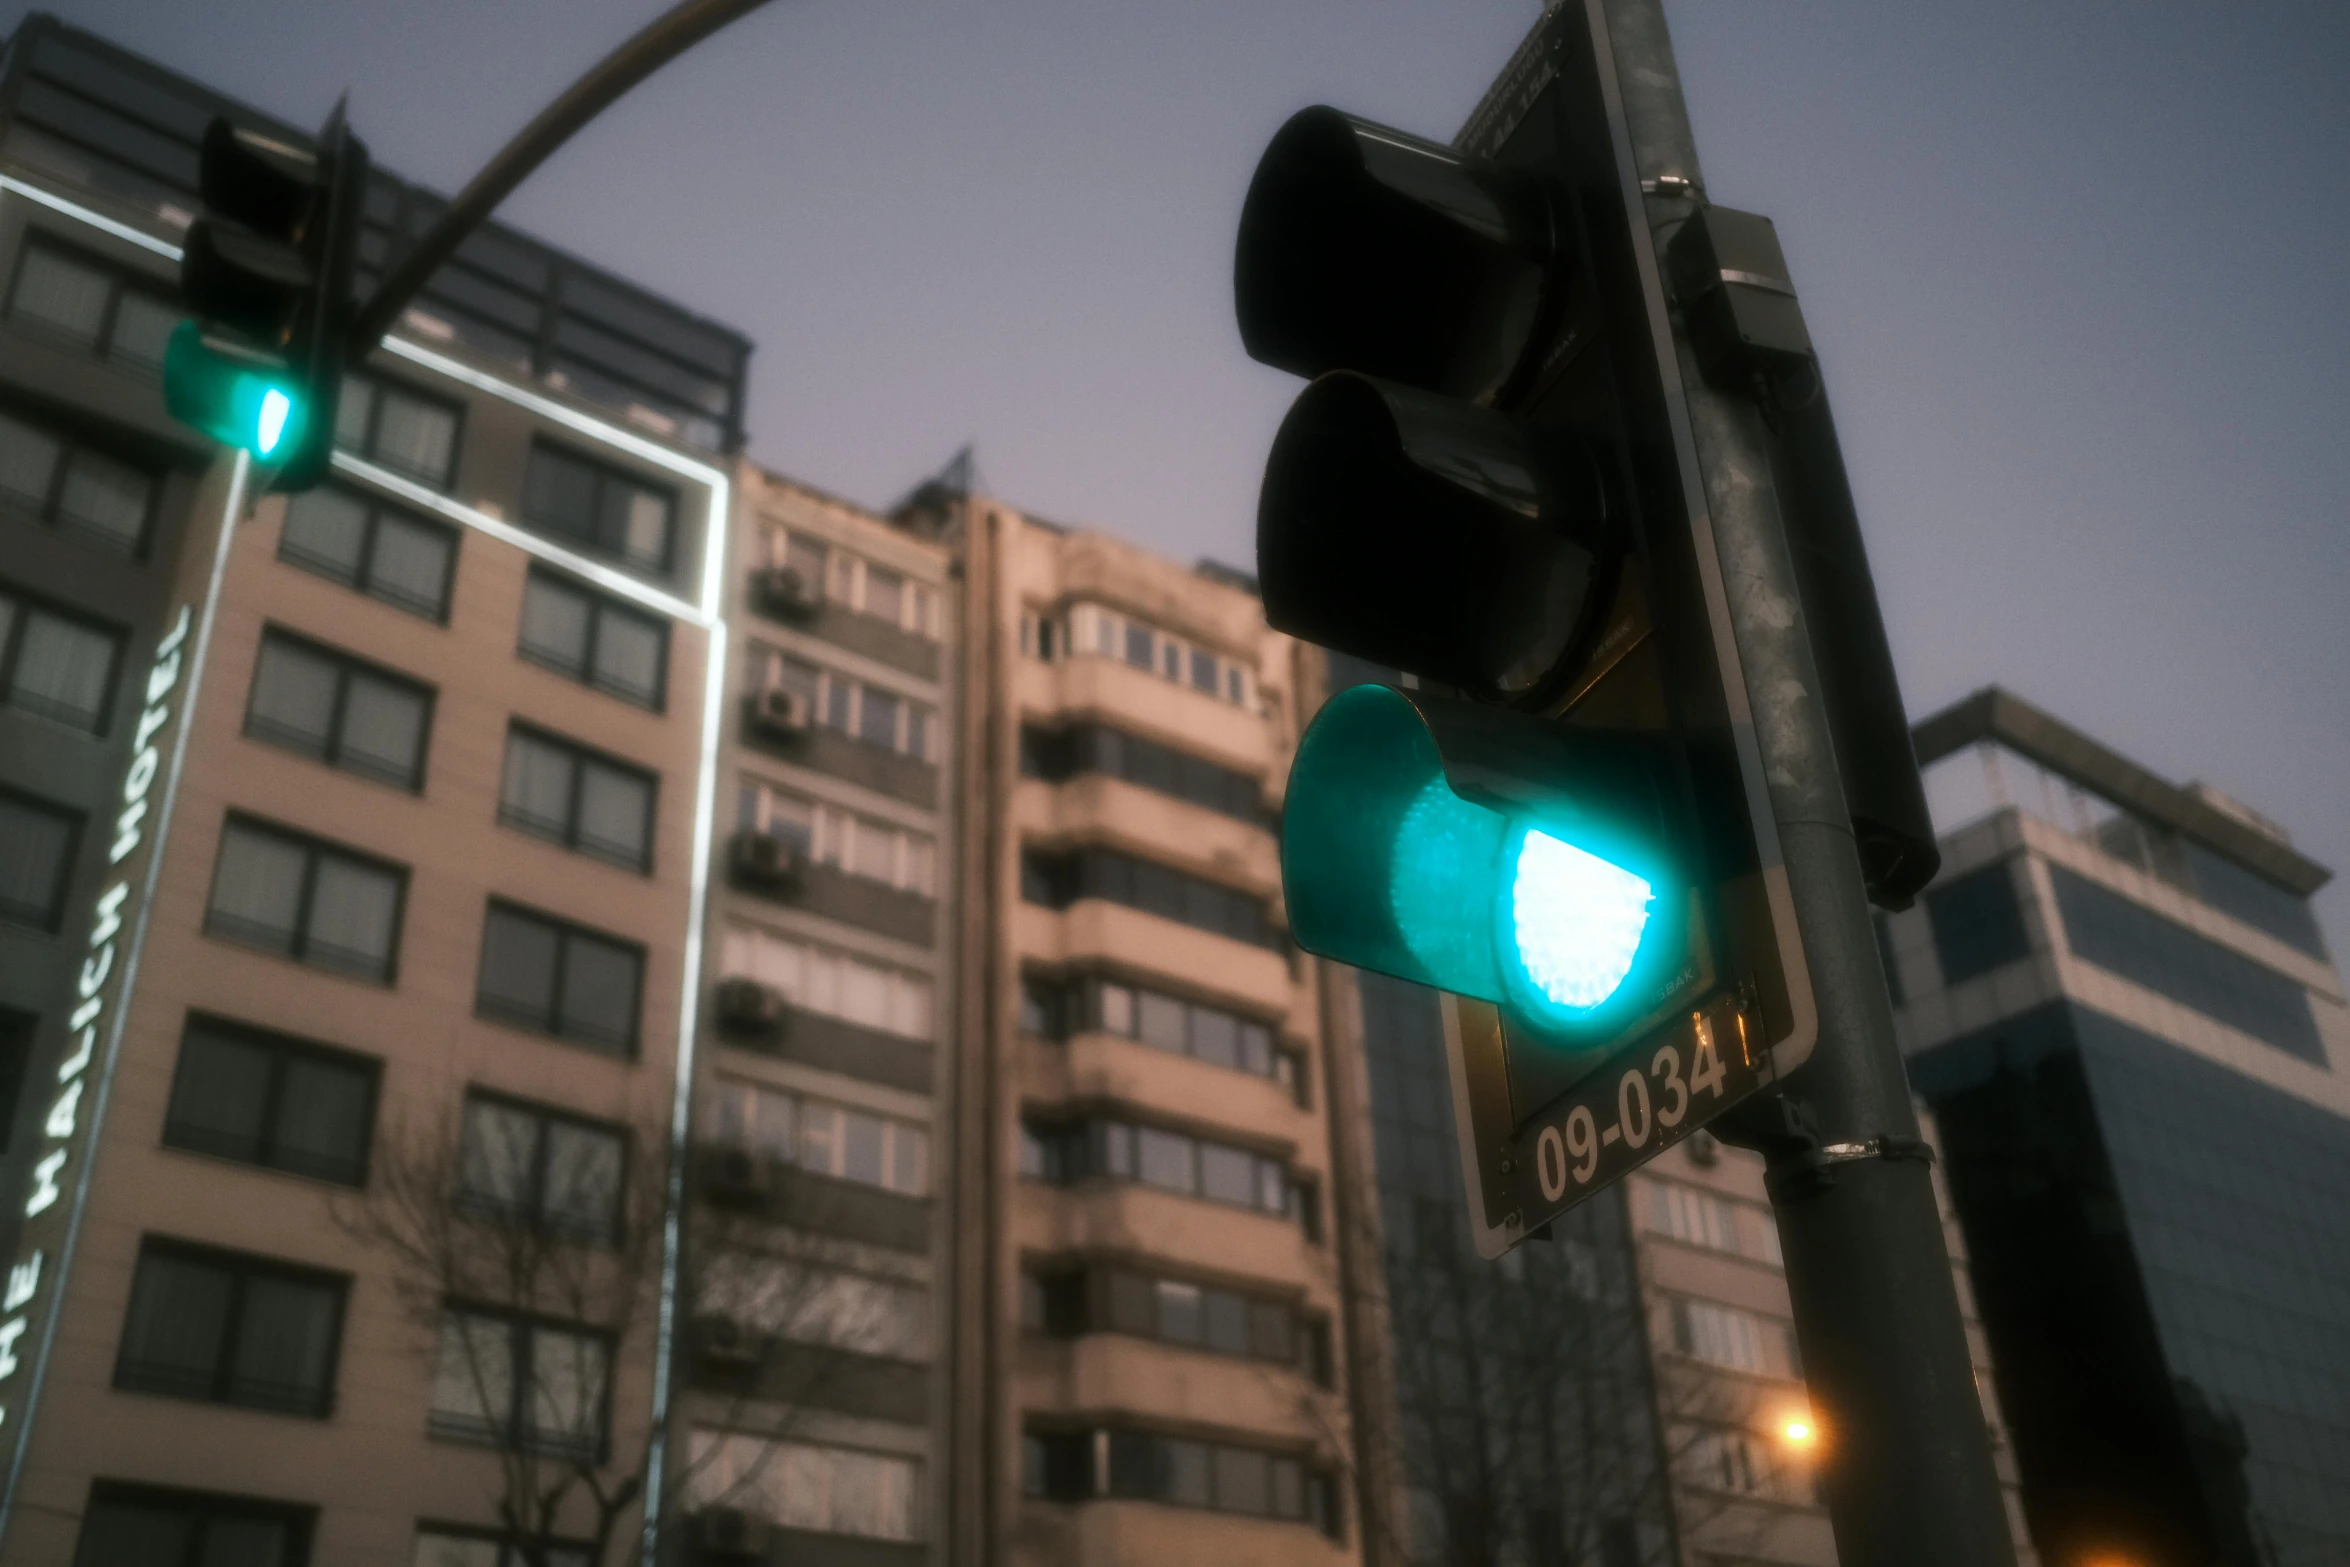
pixel 1228 1175
pixel 599 1000
pixel 615 814
pixel 36 855
pixel 121 1533
pixel 326 532
pixel 1269 1335
pixel 143 325
pixel 1168 1160
pixel 1180 1318
pixel 1133 1304
pixel 257 888
pixel 220 1096
pixel 294 696
pixel 322 1116
pixel 2253 898
pixel 284 1355
pixel 535 794
pixel 1227 1322
pixel 28 464
pixel 105 499
pixel 173 1337
pixel 383 730
pixel 555 625
pixel 354 912
pixel 1215 1037
pixel 1186 1470
pixel 62 295
pixel 2126 938
pixel 628 655
pixel 518 968
pixel 1244 1483
pixel 415 437
pixel 1978 924
pixel 62 669
pixel 409 566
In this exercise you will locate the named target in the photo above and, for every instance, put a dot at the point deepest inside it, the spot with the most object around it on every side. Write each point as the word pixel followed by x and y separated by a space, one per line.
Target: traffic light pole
pixel 1906 1449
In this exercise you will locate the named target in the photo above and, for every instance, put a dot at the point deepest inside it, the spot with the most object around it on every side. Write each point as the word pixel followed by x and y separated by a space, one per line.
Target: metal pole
pixel 660 41
pixel 1906 1449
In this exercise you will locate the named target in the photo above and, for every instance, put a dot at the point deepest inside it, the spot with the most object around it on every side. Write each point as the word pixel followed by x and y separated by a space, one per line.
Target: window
pixel 1721 1335
pixel 1978 924
pixel 830 984
pixel 307 900
pixel 380 550
pixel 264 1099
pixel 1175 1311
pixel 878 851
pixel 559 979
pixel 1697 1217
pixel 347 714
pixel 1736 1462
pixel 1091 629
pixel 92 307
pixel 1066 1152
pixel 1056 755
pixel 600 509
pixel 66 481
pixel 517 1382
pixel 56 665
pixel 1058 880
pixel 1055 1009
pixel 1217 1476
pixel 2126 938
pixel 36 860
pixel 398 428
pixel 853 582
pixel 475 1548
pixel 830 1139
pixel 2245 894
pixel 856 709
pixel 575 797
pixel 526 1165
pixel 809 1304
pixel 801 1485
pixel 594 640
pixel 145 1526
pixel 224 1328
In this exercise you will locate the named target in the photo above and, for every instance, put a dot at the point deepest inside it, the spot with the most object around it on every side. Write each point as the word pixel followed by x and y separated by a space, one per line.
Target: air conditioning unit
pixel 726 1344
pixel 737 1175
pixel 781 713
pixel 729 1534
pixel 747 1007
pixel 766 862
pixel 785 591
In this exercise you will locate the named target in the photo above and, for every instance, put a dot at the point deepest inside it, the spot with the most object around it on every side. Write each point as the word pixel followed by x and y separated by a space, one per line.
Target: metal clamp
pixel 1814 1168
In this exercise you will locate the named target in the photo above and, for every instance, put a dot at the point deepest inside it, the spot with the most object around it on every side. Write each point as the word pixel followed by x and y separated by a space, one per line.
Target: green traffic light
pixel 1546 906
pixel 237 398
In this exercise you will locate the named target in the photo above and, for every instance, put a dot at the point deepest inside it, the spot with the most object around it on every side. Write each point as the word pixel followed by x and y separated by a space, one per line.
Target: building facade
pixel 1151 1350
pixel 371 830
pixel 813 1409
pixel 2120 1005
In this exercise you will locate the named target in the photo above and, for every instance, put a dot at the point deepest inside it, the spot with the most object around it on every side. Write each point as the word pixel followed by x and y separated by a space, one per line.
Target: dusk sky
pixel 2078 273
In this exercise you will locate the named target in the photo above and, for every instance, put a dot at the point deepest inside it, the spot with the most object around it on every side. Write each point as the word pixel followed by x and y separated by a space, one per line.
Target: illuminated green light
pixel 1576 919
pixel 1546 906
pixel 276 409
pixel 239 399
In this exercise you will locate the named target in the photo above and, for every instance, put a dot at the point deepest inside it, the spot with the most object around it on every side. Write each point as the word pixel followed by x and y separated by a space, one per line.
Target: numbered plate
pixel 1637 1104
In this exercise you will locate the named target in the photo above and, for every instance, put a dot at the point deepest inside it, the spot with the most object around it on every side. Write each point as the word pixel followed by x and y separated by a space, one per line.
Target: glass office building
pixel 2121 1008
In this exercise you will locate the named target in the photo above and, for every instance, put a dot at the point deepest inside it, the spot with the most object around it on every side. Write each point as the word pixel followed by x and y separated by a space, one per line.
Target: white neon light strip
pixel 708 615
pixel 97 220
pixel 127 986
pixel 618 583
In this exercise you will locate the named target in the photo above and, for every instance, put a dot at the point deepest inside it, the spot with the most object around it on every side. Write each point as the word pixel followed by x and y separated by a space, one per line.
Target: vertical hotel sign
pixel 54 1191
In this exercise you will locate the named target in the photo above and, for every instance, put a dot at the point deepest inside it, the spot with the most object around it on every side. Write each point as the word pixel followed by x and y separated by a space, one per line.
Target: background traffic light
pixel 1557 819
pixel 266 275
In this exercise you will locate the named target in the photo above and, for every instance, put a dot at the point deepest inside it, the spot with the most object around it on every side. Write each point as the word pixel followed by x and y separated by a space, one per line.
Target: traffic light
pixel 266 274
pixel 1557 815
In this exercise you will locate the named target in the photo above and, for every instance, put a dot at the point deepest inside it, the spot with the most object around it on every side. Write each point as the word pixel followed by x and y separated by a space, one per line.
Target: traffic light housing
pixel 1557 814
pixel 266 275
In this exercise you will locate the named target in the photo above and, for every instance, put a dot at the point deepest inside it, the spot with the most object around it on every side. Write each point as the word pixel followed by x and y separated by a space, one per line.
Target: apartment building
pixel 1149 1347
pixel 352 1004
pixel 812 1413
pixel 2122 1008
